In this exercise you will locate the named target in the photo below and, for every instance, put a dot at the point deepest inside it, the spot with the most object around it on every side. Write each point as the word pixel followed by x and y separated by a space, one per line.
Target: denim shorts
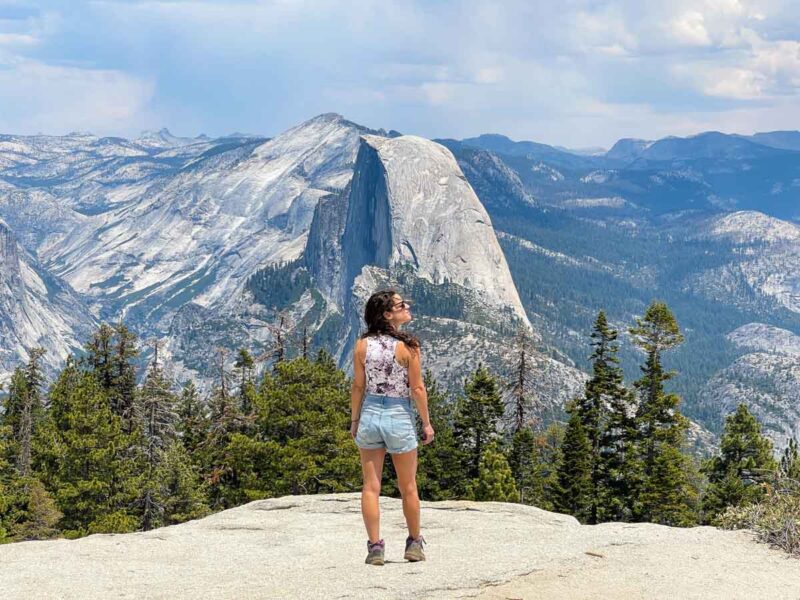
pixel 387 422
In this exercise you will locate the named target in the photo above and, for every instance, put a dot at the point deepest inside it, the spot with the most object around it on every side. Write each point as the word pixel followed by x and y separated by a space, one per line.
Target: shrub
pixel 775 519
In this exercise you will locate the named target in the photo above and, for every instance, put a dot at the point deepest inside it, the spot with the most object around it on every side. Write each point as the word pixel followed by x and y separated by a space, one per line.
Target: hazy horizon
pixel 579 75
pixel 371 126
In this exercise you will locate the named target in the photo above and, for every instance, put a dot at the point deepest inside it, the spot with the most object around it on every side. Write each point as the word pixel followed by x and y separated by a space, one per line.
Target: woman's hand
pixel 427 434
pixel 354 428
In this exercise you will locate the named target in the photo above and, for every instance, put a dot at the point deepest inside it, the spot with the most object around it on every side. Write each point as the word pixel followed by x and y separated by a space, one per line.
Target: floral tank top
pixel 385 376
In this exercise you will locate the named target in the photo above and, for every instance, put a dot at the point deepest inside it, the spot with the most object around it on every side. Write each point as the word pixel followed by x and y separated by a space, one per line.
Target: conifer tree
pixel 607 414
pixel 244 366
pixel 440 471
pixel 225 421
pixel 180 492
pixel 24 409
pixel 744 461
pixel 477 417
pixel 524 461
pixel 548 444
pixel 665 494
pixel 158 431
pixel 40 515
pixel 193 421
pixel 8 511
pixel 574 493
pixel 110 356
pixel 520 397
pixel 302 443
pixel 83 457
pixel 790 461
pixel 495 481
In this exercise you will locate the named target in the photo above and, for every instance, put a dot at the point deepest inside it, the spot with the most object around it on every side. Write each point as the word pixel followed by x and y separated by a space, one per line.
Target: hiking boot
pixel 414 549
pixel 375 553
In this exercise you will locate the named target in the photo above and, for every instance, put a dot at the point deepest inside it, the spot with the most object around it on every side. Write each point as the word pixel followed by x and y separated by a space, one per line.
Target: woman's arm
pixel 418 392
pixel 359 385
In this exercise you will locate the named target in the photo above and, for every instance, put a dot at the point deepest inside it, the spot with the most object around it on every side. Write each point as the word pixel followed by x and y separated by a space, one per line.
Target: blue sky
pixel 572 72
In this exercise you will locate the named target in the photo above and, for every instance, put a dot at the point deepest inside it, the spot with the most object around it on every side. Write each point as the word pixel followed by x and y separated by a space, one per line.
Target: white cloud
pixel 38 97
pixel 689 28
pixel 576 73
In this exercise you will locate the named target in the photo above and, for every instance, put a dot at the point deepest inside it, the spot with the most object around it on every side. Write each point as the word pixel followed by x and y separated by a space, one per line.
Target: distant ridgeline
pixel 210 245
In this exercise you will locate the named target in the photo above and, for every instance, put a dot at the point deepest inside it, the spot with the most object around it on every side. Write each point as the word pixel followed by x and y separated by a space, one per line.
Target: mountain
pixel 163 139
pixel 411 219
pixel 628 149
pixel 228 243
pixel 36 309
pixel 766 378
pixel 215 244
pixel 618 238
pixel 786 140
pixel 500 144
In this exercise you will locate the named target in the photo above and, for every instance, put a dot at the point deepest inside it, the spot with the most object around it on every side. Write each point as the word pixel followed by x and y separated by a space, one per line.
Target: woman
pixel 387 367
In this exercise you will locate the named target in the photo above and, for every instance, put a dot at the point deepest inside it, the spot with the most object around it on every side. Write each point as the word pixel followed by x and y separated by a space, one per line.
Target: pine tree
pixel 495 481
pixel 525 462
pixel 180 491
pixel 549 444
pixel 40 515
pixel 790 461
pixel 744 462
pixel 520 396
pixel 574 494
pixel 244 366
pixel 664 495
pixel 607 414
pixel 110 356
pixel 193 422
pixel 302 443
pixel 83 457
pixel 24 409
pixel 440 467
pixel 158 431
pixel 8 509
pixel 477 417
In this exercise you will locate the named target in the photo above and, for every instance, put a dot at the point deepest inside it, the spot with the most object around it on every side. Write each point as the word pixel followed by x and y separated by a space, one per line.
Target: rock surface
pixel 313 547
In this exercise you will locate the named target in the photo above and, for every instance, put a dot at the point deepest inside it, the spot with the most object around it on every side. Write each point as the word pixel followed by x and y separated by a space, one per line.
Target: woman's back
pixel 385 376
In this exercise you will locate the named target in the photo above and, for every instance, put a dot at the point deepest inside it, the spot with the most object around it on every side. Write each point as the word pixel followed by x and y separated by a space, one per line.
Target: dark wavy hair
pixel 380 302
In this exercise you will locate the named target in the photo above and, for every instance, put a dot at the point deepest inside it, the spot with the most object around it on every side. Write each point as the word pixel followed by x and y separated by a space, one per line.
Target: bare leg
pixel 372 469
pixel 406 466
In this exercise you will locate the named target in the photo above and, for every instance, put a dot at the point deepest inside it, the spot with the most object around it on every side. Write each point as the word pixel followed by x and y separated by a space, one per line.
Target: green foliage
pixel 279 285
pixel 180 491
pixel 302 443
pixel 665 495
pixel 574 492
pixel 440 465
pixel 110 357
pixel 524 460
pixel 84 457
pixel 790 461
pixel 605 413
pixel 477 417
pixel 775 518
pixel 495 480
pixel 39 514
pixel 193 422
pixel 744 462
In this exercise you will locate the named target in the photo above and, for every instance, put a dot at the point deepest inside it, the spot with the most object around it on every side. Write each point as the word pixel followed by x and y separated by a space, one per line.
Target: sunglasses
pixel 402 304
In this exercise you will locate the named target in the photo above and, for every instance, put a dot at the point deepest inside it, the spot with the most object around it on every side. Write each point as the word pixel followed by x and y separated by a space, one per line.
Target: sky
pixel 575 73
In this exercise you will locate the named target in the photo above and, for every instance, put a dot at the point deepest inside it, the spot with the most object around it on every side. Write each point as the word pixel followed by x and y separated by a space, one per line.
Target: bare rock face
pixel 766 378
pixel 314 547
pixel 411 204
pixel 36 309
